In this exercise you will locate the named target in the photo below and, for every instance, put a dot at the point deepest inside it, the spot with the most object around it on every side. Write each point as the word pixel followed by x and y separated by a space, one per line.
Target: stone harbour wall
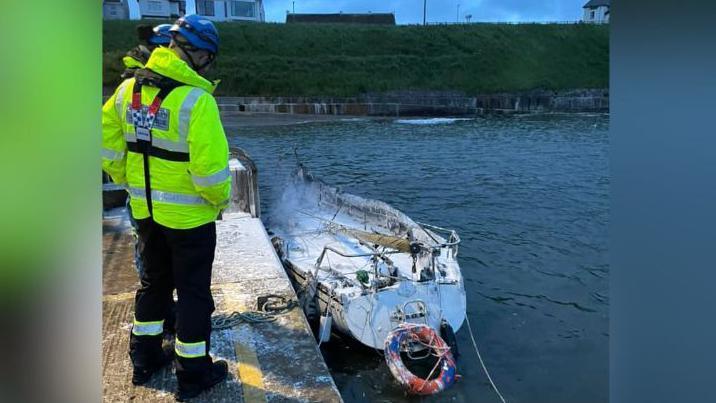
pixel 407 103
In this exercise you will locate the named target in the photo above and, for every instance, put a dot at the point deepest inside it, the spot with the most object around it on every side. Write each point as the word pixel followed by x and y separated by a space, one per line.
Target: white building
pixel 231 10
pixel 115 10
pixel 596 11
pixel 159 9
pixel 217 10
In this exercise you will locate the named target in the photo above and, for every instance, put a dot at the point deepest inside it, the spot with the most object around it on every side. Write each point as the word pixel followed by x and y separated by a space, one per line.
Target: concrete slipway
pixel 273 361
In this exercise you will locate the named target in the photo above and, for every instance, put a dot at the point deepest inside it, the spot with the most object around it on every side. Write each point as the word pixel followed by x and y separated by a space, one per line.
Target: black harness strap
pixel 177 156
pixel 143 129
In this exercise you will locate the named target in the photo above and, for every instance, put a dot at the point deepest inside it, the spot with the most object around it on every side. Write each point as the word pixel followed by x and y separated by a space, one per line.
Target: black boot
pixel 189 388
pixel 148 357
pixel 142 374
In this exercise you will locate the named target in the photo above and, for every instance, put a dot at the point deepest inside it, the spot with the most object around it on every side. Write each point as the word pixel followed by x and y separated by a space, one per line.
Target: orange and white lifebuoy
pixel 427 336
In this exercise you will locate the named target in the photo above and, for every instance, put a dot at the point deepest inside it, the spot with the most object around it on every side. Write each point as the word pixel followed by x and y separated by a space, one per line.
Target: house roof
pixel 596 3
pixel 371 18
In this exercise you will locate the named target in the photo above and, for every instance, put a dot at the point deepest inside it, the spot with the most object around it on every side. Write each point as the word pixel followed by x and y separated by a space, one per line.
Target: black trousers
pixel 170 316
pixel 181 259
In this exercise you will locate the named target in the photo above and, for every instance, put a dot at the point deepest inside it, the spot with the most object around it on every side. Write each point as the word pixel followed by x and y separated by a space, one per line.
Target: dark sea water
pixel 529 195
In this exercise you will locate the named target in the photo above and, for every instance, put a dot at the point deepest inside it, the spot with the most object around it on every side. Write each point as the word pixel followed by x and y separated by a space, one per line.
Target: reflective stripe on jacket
pixel 190 178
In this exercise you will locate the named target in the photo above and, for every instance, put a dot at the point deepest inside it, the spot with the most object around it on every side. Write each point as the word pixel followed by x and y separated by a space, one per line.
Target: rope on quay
pixel 479 356
pixel 269 309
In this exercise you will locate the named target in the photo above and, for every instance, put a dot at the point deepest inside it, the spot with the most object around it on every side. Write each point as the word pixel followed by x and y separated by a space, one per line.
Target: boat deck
pixel 273 361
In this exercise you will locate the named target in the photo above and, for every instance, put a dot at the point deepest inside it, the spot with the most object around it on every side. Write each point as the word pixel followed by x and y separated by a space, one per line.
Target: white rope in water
pixel 484 368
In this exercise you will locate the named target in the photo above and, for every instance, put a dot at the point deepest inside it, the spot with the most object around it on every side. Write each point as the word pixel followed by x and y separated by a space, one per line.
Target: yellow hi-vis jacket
pixel 132 63
pixel 185 194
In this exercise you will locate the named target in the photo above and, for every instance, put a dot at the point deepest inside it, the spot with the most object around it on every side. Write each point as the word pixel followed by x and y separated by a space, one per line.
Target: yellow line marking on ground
pixel 252 379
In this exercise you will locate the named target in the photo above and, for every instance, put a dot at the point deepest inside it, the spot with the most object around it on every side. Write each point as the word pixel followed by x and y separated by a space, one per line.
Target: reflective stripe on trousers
pixel 147 328
pixel 190 350
pixel 212 179
pixel 168 197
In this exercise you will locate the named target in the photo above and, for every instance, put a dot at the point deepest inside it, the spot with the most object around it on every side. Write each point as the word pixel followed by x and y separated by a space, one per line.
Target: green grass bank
pixel 348 60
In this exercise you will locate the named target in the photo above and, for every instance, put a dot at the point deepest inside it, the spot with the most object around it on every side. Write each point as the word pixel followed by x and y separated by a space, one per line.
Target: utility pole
pixel 294 7
pixel 457 17
pixel 425 10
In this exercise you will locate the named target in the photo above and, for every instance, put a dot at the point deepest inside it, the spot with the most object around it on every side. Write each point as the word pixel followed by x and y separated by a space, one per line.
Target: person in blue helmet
pixel 149 38
pixel 195 40
pixel 176 194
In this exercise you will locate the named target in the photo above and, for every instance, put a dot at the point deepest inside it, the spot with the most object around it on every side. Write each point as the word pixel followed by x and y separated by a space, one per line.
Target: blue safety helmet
pixel 161 35
pixel 198 31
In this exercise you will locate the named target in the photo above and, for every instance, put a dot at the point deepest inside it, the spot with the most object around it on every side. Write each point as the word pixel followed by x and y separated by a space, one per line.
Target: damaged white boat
pixel 365 267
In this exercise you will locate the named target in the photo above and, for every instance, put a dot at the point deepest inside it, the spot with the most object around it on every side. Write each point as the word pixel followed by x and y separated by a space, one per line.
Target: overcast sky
pixel 411 11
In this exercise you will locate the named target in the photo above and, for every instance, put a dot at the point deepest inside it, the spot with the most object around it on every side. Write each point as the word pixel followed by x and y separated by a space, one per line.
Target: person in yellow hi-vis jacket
pixel 163 139
pixel 135 59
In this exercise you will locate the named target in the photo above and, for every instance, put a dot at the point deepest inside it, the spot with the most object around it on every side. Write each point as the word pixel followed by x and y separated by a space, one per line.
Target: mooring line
pixel 479 356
